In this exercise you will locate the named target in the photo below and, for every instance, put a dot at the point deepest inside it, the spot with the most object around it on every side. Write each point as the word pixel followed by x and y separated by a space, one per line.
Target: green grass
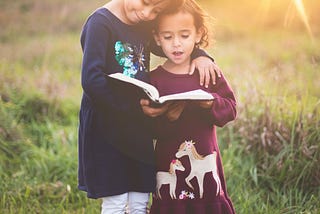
pixel 270 153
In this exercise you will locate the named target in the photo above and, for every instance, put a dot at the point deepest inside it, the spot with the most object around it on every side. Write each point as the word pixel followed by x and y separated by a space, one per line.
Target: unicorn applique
pixel 169 178
pixel 199 165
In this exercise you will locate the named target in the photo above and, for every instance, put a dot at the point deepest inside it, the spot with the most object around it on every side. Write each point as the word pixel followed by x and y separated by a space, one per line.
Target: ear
pixel 156 38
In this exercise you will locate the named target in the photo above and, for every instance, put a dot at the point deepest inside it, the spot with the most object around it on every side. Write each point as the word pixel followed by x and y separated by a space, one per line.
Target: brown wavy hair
pixel 173 5
pixel 199 15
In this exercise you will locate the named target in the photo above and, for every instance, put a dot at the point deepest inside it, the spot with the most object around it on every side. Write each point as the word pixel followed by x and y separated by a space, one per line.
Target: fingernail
pixel 214 83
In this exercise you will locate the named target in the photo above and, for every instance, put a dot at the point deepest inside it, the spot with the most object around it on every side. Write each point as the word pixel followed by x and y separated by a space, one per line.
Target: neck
pixel 116 7
pixel 182 68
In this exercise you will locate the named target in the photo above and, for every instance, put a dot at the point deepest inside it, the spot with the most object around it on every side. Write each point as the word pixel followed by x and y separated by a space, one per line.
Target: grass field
pixel 271 153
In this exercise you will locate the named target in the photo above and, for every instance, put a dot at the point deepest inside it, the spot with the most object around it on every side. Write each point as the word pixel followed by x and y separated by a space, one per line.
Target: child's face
pixel 177 36
pixel 136 11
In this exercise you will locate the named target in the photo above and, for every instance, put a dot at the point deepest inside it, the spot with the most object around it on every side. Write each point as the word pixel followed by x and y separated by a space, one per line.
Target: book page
pixel 150 90
pixel 189 95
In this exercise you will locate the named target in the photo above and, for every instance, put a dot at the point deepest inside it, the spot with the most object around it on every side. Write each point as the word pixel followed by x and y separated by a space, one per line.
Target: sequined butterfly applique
pixel 130 58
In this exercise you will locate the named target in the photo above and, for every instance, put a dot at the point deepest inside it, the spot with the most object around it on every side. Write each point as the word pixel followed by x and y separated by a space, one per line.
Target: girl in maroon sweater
pixel 190 176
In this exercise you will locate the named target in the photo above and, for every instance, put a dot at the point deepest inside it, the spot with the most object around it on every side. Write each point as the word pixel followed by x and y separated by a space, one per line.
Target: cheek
pixel 152 16
pixel 190 43
pixel 166 46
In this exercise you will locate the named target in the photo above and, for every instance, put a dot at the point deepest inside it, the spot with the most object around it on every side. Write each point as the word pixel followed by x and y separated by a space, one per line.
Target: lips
pixel 177 53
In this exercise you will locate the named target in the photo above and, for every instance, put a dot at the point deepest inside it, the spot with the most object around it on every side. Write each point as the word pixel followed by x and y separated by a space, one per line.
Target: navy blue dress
pixel 115 140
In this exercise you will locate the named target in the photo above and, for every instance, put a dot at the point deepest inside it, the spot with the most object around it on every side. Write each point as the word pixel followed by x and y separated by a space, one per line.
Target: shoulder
pixel 98 26
pixel 156 75
pixel 221 84
pixel 157 72
pixel 100 17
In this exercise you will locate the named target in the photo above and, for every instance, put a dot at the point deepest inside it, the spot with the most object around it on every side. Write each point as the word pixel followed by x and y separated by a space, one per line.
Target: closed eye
pixel 156 12
pixel 146 2
pixel 185 36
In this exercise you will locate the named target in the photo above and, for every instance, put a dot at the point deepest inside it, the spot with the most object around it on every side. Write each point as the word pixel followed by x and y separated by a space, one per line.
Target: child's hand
pixel 175 110
pixel 207 70
pixel 151 111
pixel 205 103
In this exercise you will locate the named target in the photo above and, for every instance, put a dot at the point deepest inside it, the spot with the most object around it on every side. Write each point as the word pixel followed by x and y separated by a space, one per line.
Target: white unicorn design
pixel 199 165
pixel 169 178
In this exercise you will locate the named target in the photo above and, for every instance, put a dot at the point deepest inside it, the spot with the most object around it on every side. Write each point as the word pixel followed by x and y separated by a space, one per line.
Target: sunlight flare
pixel 298 4
pixel 264 9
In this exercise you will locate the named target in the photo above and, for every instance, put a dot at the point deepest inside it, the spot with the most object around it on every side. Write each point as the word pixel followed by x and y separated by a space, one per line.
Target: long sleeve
pixel 97 63
pixel 223 109
pixel 113 131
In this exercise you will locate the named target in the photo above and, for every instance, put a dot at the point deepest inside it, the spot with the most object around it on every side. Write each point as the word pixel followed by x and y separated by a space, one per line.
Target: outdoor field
pixel 269 50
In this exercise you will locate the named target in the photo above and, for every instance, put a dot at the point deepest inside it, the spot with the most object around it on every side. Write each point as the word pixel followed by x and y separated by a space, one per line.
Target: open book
pixel 153 93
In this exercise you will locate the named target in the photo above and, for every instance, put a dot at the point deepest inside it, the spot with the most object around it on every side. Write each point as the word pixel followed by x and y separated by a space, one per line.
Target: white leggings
pixel 133 202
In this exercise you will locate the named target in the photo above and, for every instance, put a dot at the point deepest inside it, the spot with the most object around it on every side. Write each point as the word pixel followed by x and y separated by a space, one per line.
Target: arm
pixel 95 41
pixel 222 109
pixel 206 67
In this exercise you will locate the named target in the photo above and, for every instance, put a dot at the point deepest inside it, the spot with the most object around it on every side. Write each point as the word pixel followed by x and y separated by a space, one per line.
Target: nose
pixel 147 13
pixel 176 41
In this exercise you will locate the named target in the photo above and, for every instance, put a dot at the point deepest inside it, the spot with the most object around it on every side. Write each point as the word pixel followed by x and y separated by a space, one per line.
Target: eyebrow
pixel 180 31
pixel 185 31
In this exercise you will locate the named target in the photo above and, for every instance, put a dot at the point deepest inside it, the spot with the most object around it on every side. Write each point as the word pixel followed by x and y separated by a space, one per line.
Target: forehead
pixel 160 3
pixel 169 22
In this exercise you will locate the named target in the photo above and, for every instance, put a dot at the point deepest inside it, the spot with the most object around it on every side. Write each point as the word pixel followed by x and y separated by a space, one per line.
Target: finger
pixel 207 77
pixel 167 105
pixel 144 102
pixel 179 108
pixel 201 74
pixel 217 70
pixel 174 103
pixel 172 110
pixel 192 68
pixel 213 75
pixel 173 106
pixel 157 111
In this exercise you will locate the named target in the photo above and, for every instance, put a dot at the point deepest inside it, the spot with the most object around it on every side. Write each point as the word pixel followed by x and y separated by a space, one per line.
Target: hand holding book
pixel 175 110
pixel 151 110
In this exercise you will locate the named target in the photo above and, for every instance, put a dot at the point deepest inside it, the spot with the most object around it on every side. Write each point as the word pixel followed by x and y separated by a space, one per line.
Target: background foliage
pixel 271 152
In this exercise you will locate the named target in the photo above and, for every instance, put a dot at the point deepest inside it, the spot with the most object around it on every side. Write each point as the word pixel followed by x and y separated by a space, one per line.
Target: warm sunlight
pixel 289 15
pixel 260 150
pixel 294 8
pixel 299 6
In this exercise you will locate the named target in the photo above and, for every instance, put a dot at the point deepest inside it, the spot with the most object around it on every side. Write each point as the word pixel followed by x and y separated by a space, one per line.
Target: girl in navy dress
pixel 190 176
